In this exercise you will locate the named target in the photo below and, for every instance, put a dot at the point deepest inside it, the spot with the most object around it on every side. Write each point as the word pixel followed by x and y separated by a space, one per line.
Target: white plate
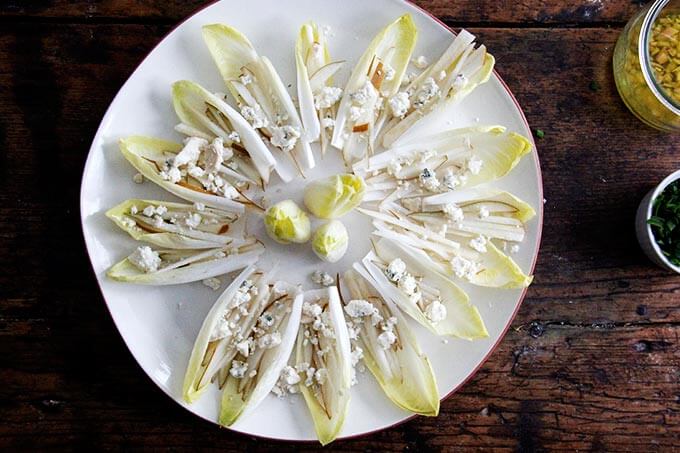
pixel 159 323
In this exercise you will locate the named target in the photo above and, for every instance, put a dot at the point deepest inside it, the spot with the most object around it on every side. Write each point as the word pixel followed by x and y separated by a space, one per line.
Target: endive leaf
pixel 211 228
pixel 242 395
pixel 462 318
pixel 459 70
pixel 257 87
pixel 191 101
pixel 230 49
pixel 495 200
pixel 148 155
pixel 308 35
pixel 402 369
pixel 452 254
pixel 327 398
pixel 498 150
pixel 184 266
pixel 390 49
pixel 478 211
pixel 214 347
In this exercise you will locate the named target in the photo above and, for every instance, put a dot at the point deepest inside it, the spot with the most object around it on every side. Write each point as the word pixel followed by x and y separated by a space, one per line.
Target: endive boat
pixel 450 160
pixel 194 171
pixel 323 356
pixel 376 77
pixel 258 364
pixel 459 70
pixel 390 350
pixel 261 97
pixel 207 115
pixel 472 258
pixel 147 266
pixel 247 335
pixel 317 97
pixel 177 225
pixel 403 276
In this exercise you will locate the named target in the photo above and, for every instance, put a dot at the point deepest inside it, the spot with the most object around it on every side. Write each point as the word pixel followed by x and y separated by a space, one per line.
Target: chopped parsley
pixel 665 222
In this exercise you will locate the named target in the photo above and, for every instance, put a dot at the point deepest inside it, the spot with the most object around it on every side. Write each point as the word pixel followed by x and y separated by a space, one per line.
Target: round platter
pixel 159 324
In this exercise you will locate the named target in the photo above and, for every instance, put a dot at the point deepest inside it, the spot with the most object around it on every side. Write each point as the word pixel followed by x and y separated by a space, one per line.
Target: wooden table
pixel 592 361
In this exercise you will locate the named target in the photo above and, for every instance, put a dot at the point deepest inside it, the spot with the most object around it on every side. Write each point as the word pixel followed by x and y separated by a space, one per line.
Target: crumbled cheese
pixel 358 308
pixel 234 137
pixel 514 248
pixel 322 278
pixel 221 330
pixel 269 340
pixel 193 220
pixel 394 167
pixel 255 116
pixel 395 269
pixel 246 79
pixel 442 75
pixel 149 211
pixel 355 113
pixel 459 82
pixel 288 380
pixel 355 356
pixel 479 244
pixel 238 369
pixel 464 268
pixel 199 206
pixel 133 209
pixel 327 97
pixel 320 375
pixel 328 123
pixel 408 284
pixel 420 62
pixel 266 320
pixel 453 212
pixel 435 311
pixel 285 137
pixel 212 283
pixel 364 94
pixel 428 90
pixel 452 180
pixel 399 104
pixel 483 212
pixel 138 178
pixel 145 259
pixel 386 339
pixel 428 179
pixel 311 310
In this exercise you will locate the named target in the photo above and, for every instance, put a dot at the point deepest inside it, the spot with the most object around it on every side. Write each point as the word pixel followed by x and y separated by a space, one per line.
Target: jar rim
pixel 645 57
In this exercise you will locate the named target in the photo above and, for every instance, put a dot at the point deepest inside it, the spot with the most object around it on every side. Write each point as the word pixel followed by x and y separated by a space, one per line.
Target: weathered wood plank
pixel 462 11
pixel 591 362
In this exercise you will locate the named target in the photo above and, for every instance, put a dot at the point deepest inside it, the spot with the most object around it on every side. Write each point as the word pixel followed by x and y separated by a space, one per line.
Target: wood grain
pixel 454 12
pixel 592 361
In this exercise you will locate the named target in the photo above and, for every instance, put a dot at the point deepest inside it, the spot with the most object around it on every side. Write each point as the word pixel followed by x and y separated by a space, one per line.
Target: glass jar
pixel 634 71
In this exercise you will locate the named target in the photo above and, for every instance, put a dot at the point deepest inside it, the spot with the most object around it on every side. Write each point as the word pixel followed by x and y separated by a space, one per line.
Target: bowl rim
pixel 668 180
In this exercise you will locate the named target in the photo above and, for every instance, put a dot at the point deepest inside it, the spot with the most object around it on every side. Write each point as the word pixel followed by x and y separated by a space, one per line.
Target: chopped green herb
pixel 594 86
pixel 665 220
pixel 539 133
